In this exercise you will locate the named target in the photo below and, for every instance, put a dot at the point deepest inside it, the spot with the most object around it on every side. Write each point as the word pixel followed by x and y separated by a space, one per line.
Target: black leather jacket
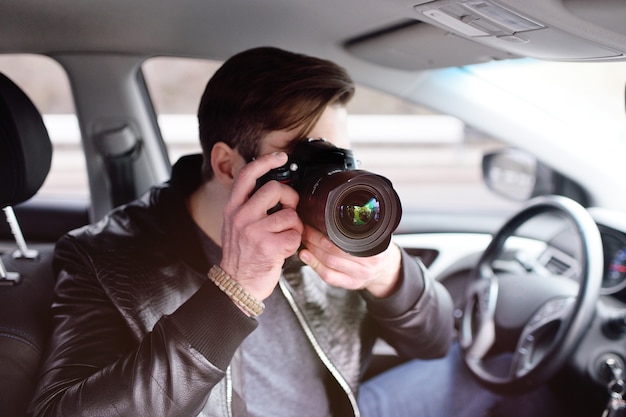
pixel 140 331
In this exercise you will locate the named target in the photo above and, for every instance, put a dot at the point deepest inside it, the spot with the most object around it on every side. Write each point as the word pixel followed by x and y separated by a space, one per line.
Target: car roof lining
pixel 211 29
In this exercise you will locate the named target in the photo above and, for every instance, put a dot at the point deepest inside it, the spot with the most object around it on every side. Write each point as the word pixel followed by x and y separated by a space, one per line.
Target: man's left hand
pixel 377 274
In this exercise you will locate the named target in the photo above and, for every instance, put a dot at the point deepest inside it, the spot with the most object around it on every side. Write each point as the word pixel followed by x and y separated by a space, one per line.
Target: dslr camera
pixel 356 209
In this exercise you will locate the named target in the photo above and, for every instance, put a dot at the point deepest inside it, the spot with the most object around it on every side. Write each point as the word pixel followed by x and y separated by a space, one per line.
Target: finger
pixel 285 219
pixel 272 194
pixel 275 237
pixel 266 231
pixel 328 273
pixel 311 260
pixel 314 238
pixel 334 266
pixel 247 177
pixel 323 251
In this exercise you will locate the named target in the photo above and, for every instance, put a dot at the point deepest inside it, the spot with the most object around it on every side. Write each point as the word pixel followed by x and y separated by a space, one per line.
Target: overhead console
pixel 494 24
pixel 441 33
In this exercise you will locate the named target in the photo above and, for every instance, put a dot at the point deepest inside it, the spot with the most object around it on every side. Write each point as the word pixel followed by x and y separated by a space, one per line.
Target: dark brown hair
pixel 267 89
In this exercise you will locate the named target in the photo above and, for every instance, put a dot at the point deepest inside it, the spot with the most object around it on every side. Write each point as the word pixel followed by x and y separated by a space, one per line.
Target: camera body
pixel 310 158
pixel 356 209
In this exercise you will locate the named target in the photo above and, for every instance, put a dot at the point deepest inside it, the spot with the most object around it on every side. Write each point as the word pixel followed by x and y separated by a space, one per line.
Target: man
pixel 182 302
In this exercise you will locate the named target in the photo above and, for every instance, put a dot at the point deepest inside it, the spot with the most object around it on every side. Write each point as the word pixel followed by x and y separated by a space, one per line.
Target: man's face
pixel 332 126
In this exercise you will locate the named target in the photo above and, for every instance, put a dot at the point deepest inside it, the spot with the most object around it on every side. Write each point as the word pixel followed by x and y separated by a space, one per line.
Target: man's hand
pixel 378 274
pixel 255 244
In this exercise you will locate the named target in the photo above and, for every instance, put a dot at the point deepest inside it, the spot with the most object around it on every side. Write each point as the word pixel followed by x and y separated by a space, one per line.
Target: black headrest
pixel 25 148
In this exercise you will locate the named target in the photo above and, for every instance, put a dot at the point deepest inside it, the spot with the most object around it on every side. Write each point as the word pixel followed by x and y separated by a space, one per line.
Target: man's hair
pixel 267 89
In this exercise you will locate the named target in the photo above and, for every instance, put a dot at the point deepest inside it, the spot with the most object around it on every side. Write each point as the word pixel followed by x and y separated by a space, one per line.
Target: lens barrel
pixel 356 209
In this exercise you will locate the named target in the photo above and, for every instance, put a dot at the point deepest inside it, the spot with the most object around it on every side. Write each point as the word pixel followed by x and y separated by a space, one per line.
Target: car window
pixel 47 85
pixel 433 160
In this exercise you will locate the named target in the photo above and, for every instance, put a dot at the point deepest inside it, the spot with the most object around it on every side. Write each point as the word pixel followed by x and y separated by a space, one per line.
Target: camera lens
pixel 356 209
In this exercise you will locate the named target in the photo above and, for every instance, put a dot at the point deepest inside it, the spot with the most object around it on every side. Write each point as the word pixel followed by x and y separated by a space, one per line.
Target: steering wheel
pixel 522 319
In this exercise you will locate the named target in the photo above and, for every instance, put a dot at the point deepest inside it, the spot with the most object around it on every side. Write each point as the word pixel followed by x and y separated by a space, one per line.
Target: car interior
pixel 534 257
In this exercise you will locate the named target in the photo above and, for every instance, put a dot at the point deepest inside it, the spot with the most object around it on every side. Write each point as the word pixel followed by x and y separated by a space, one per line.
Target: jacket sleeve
pixel 96 364
pixel 417 319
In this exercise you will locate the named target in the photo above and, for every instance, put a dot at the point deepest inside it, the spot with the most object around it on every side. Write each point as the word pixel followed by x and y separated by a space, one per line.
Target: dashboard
pixel 447 254
pixel 548 249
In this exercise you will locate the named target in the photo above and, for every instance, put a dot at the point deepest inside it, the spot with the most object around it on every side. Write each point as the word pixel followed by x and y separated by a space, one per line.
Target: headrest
pixel 25 147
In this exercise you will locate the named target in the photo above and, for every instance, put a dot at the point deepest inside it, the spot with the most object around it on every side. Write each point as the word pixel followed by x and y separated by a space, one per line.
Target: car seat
pixel 26 277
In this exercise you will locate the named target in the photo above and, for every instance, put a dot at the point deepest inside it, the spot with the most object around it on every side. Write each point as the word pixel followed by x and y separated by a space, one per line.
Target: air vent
pixel 559 263
pixel 557 266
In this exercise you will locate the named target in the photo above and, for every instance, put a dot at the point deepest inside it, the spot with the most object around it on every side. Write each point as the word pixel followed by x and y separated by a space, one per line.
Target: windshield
pixel 569 115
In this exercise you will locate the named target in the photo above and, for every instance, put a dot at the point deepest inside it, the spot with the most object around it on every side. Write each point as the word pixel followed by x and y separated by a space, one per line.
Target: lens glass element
pixel 359 212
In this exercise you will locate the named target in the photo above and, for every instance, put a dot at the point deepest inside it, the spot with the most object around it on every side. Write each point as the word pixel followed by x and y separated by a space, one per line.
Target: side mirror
pixel 510 173
pixel 519 176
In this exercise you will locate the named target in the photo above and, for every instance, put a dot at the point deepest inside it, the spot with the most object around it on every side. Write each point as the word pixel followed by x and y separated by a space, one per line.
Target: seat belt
pixel 120 148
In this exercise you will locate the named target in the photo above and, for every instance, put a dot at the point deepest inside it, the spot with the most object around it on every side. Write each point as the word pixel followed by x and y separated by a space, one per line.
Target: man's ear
pixel 226 163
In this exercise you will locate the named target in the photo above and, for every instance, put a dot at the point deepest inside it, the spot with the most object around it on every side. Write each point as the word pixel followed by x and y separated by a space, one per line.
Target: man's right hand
pixel 255 243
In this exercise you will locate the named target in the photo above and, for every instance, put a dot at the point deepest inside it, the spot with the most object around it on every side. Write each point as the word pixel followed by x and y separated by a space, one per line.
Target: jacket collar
pixel 190 242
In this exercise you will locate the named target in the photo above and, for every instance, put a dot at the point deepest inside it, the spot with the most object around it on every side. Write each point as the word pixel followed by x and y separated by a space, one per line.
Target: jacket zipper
pixel 322 355
pixel 229 392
